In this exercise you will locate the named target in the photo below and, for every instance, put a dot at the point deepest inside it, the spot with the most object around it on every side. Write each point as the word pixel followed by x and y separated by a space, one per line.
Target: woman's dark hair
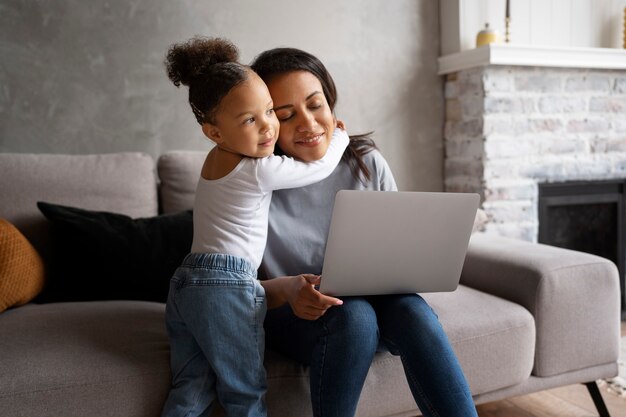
pixel 283 60
pixel 210 68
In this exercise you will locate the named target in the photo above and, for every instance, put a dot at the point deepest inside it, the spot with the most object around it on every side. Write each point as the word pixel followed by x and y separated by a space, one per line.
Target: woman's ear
pixel 212 132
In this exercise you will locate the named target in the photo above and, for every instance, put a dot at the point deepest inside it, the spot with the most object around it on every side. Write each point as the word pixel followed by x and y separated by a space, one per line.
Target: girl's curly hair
pixel 210 68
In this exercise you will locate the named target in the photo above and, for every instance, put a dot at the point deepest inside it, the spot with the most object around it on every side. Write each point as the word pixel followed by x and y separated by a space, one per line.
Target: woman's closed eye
pixel 284 116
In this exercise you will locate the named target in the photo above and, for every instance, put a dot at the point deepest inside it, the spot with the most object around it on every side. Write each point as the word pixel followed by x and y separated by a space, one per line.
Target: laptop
pixel 397 242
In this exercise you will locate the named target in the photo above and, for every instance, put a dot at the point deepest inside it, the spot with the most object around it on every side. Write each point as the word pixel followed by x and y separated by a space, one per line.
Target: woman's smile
pixel 310 140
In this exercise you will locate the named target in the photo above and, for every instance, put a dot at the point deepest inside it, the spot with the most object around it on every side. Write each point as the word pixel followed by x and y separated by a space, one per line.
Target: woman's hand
pixel 340 124
pixel 307 302
pixel 299 291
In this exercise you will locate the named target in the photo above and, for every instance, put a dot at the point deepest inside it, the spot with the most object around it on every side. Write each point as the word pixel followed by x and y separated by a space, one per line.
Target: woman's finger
pixel 316 297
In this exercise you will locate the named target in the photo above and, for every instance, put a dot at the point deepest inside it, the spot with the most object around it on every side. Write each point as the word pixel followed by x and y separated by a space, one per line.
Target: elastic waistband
pixel 219 261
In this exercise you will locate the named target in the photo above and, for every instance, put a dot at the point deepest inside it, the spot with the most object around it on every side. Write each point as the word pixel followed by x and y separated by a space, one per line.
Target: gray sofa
pixel 527 317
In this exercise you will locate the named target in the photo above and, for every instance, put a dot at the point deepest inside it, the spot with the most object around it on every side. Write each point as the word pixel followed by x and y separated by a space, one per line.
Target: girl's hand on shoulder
pixel 306 301
pixel 340 124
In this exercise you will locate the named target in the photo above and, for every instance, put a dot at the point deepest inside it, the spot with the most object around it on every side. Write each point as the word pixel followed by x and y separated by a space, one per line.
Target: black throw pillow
pixel 99 255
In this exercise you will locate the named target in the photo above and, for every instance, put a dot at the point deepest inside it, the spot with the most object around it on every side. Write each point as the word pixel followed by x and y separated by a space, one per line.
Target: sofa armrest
pixel 573 296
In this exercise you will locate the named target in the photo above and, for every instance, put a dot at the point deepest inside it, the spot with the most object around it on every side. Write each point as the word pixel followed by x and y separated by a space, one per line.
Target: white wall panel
pixel 567 23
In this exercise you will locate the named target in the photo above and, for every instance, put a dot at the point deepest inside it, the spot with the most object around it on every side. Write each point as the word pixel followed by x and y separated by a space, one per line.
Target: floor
pixel 569 401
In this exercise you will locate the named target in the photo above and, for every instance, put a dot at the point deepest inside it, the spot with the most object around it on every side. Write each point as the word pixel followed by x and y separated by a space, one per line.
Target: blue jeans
pixel 339 348
pixel 214 317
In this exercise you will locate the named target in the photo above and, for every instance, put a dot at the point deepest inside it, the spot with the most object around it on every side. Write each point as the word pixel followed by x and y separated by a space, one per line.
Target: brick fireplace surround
pixel 517 117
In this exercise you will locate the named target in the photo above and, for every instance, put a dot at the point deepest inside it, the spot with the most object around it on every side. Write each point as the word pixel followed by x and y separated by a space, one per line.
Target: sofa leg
pixel 597 398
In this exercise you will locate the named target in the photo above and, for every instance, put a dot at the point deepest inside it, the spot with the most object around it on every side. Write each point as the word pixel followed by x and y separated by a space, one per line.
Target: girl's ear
pixel 212 132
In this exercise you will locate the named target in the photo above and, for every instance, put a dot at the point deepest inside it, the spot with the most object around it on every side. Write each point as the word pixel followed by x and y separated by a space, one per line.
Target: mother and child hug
pixel 263 203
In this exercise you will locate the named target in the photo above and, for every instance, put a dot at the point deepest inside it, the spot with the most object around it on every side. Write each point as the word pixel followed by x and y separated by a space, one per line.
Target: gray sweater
pixel 300 217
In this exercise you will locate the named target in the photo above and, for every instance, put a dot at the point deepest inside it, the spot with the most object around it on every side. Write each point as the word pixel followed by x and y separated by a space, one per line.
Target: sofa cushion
pixel 493 338
pixel 121 182
pixel 573 296
pixel 72 358
pixel 106 358
pixel 179 172
pixel 21 268
pixel 108 256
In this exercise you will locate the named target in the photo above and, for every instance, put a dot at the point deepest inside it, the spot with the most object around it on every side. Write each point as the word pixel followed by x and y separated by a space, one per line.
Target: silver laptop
pixel 397 242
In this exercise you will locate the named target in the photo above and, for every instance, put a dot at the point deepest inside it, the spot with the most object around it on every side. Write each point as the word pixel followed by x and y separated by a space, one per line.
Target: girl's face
pixel 245 122
pixel 306 120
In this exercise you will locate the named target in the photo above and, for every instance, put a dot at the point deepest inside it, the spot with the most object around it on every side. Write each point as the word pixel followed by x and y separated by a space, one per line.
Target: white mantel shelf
pixel 533 56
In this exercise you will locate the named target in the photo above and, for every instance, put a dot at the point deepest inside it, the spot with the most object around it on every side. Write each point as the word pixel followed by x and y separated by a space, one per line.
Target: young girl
pixel 216 306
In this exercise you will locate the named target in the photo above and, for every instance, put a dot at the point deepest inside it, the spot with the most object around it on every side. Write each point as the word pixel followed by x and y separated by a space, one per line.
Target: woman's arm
pixel 299 291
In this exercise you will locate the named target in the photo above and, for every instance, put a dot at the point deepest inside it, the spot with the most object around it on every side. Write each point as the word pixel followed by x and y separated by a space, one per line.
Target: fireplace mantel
pixel 534 56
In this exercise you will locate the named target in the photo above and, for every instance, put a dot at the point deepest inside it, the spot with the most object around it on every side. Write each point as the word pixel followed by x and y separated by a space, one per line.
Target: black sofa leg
pixel 597 399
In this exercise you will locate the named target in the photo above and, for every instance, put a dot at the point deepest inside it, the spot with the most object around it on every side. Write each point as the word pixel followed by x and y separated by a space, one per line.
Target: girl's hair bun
pixel 188 60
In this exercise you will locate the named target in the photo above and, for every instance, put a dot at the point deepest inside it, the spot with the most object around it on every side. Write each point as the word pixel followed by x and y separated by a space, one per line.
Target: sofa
pixel 526 317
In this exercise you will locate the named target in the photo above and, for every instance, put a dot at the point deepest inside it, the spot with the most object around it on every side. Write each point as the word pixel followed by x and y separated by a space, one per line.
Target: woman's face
pixel 306 120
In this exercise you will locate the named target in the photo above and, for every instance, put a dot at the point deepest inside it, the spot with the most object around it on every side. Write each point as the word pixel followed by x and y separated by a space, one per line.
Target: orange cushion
pixel 21 268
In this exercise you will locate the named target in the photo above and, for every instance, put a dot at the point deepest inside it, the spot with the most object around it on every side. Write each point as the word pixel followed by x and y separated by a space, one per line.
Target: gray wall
pixel 82 76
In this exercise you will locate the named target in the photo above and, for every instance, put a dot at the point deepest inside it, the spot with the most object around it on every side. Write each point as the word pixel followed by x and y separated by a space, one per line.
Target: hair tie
pixel 199 113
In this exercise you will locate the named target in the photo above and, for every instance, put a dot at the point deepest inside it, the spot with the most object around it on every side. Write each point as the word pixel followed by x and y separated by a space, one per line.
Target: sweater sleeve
pixel 386 181
pixel 279 172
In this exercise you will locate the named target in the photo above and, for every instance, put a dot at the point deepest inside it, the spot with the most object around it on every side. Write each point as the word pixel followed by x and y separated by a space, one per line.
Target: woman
pixel 338 342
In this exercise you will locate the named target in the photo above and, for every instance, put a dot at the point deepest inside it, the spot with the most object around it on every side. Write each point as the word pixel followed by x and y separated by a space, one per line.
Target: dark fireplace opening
pixel 588 217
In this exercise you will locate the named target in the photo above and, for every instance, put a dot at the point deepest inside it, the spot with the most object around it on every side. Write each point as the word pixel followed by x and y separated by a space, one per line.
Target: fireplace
pixel 586 216
pixel 524 125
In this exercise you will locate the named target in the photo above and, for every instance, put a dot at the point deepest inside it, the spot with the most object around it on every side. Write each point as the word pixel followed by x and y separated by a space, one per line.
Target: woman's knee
pixel 355 319
pixel 407 311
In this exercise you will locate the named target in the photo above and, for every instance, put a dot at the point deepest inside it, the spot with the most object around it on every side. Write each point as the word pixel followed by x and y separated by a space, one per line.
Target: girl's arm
pixel 278 172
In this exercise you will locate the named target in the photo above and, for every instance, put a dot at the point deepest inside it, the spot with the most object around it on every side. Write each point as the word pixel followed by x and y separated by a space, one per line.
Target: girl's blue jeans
pixel 339 348
pixel 214 317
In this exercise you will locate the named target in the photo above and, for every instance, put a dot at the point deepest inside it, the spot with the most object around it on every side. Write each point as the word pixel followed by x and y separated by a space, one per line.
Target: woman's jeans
pixel 339 348
pixel 214 318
